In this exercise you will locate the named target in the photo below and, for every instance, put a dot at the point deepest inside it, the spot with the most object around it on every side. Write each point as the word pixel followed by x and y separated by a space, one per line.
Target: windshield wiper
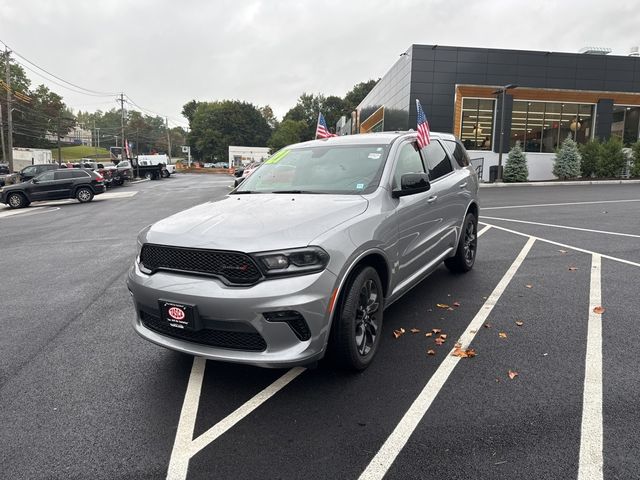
pixel 293 191
pixel 243 192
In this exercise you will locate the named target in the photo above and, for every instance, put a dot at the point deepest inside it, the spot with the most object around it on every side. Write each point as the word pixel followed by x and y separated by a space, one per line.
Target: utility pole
pixel 7 66
pixel 166 120
pixel 122 125
pixel 58 135
pixel 4 151
pixel 94 139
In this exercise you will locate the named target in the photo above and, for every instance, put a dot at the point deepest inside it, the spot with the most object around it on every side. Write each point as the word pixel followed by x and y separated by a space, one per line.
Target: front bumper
pixel 235 312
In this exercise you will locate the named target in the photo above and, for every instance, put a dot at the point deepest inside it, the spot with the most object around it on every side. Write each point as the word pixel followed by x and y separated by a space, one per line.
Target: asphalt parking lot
pixel 82 396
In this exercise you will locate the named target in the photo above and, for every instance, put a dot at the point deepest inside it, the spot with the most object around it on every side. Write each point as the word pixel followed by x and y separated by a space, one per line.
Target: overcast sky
pixel 163 53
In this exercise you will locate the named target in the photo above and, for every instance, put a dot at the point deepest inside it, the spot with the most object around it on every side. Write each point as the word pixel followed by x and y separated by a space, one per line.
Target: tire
pixel 467 249
pixel 17 200
pixel 118 181
pixel 84 194
pixel 357 326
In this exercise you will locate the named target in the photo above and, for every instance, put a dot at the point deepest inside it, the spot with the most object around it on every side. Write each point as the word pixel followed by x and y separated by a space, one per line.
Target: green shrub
pixel 515 168
pixel 612 159
pixel 591 153
pixel 635 169
pixel 567 161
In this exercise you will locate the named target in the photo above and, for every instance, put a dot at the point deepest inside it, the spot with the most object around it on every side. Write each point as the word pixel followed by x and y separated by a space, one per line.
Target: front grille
pixel 232 267
pixel 294 319
pixel 248 341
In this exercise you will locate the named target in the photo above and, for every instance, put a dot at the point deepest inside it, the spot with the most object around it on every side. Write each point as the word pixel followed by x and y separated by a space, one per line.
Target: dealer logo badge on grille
pixel 176 313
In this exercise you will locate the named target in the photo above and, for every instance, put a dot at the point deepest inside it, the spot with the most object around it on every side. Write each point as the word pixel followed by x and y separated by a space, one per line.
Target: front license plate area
pixel 179 315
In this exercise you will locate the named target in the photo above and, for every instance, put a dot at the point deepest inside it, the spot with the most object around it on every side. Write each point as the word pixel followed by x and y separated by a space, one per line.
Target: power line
pixel 95 92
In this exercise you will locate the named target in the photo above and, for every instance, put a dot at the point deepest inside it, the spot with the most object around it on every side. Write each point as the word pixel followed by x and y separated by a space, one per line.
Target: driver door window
pixel 409 161
pixel 46 176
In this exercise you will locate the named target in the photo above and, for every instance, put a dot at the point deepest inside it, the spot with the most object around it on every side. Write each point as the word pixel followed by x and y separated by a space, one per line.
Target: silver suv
pixel 304 256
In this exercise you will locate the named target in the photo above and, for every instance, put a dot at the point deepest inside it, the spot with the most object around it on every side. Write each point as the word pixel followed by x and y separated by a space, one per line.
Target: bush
pixel 612 159
pixel 591 153
pixel 515 169
pixel 635 169
pixel 567 162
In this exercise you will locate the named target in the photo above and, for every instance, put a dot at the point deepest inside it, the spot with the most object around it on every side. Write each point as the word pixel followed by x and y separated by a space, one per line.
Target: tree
pixel 635 170
pixel 354 96
pixel 612 159
pixel 590 153
pixel 567 161
pixel 268 115
pixel 189 110
pixel 515 169
pixel 287 133
pixel 216 125
pixel 307 110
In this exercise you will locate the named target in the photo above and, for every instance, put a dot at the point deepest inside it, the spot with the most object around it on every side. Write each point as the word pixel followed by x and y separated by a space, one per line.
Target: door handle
pixel 462 185
pixel 432 199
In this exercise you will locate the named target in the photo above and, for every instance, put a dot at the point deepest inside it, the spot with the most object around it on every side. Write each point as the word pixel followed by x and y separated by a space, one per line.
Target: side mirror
pixel 411 183
pixel 34 180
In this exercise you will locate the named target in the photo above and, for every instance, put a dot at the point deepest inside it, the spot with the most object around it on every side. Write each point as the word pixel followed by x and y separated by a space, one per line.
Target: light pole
pixel 502 91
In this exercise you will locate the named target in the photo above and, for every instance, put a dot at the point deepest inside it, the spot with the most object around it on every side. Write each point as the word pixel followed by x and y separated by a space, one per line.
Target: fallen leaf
pixel 456 304
pixel 562 251
pixel 599 310
pixel 436 331
pixel 519 323
pixel 428 334
pixel 487 325
pixel 470 352
pixel 459 352
pixel 431 352
pixel 415 330
pixel 512 374
pixel 450 309
pixel 457 345
pixel 573 269
pixel 502 335
pixel 472 331
pixel 443 336
pixel 398 333
pixel 442 305
pixel 439 341
pixel 529 286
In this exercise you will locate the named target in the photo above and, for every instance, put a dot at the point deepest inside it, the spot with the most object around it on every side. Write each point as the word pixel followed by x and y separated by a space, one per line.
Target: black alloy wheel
pixel 465 256
pixel 84 194
pixel 358 322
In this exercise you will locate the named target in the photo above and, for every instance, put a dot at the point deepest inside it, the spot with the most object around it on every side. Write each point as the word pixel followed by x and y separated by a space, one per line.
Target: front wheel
pixel 84 194
pixel 465 255
pixel 16 200
pixel 358 323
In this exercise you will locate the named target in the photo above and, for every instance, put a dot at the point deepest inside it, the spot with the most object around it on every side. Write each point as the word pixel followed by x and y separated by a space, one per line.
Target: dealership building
pixel 557 95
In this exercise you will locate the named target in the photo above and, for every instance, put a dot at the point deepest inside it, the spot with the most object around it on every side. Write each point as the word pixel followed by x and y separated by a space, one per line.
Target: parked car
pixel 248 170
pixel 220 165
pixel 57 184
pixel 304 256
pixel 27 173
pixel 4 171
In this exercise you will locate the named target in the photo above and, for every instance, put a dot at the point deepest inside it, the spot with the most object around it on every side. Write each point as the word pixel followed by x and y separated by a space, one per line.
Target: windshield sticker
pixel 360 186
pixel 277 157
pixel 375 156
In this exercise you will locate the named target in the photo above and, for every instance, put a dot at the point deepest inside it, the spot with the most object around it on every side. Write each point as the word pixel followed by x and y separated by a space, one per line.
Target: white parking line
pixel 562 226
pixel 591 457
pixel 564 245
pixel 484 230
pixel 385 457
pixel 11 213
pixel 560 204
pixel 185 446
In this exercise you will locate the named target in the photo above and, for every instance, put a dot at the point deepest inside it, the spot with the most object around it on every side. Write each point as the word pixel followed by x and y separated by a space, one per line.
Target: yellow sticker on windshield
pixel 278 156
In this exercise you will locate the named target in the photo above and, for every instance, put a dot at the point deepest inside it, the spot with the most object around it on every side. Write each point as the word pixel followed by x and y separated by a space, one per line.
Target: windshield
pixel 342 169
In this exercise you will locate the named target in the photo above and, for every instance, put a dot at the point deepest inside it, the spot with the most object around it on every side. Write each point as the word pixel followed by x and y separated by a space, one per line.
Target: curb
pixel 140 181
pixel 564 184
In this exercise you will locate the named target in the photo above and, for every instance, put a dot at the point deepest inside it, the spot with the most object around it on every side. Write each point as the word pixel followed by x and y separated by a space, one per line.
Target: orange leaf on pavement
pixel 431 352
pixel 519 323
pixel 436 330
pixel 440 341
pixel 502 335
pixel 415 330
pixel 442 305
pixel 398 333
pixel 443 336
pixel 512 374
pixel 599 310
pixel 428 334
pixel 529 286
pixel 456 304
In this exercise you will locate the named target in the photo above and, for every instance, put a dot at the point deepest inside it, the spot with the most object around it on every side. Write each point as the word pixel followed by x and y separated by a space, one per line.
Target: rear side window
pixel 79 174
pixel 437 160
pixel 62 174
pixel 459 153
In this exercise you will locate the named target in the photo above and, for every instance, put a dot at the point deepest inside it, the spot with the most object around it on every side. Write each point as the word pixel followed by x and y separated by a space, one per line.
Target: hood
pixel 256 222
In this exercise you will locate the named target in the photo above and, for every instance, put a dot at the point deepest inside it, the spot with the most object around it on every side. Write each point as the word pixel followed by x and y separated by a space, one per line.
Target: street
pixel 82 396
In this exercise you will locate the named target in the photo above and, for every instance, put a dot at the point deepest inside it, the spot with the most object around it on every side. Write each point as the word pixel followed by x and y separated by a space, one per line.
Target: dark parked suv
pixel 54 185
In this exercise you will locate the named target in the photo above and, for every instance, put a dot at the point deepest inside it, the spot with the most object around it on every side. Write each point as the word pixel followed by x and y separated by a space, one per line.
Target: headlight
pixel 296 261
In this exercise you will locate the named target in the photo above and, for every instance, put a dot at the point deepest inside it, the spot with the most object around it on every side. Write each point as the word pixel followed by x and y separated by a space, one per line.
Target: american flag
pixel 424 137
pixel 321 130
pixel 127 149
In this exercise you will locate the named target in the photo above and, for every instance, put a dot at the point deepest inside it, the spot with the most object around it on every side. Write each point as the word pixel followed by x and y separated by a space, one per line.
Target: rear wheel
pixel 84 194
pixel 17 200
pixel 357 326
pixel 148 175
pixel 465 255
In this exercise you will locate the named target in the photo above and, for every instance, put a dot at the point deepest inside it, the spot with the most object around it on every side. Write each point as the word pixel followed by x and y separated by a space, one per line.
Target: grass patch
pixel 79 151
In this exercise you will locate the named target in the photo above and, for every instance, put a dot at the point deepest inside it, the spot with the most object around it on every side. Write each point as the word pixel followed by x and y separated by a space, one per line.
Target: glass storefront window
pixel 626 124
pixel 477 123
pixel 542 126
